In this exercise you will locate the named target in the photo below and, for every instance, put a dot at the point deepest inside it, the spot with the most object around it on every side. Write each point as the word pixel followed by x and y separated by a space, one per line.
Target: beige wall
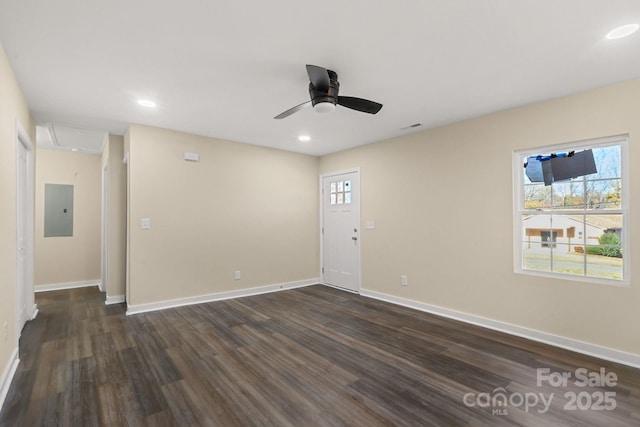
pixel 429 191
pixel 12 106
pixel 77 258
pixel 241 207
pixel 117 219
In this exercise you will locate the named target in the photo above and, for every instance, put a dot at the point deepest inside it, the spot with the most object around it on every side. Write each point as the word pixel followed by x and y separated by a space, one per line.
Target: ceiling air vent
pixel 415 125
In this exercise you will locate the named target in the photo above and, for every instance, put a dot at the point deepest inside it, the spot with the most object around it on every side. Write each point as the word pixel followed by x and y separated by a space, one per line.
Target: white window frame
pixel 519 158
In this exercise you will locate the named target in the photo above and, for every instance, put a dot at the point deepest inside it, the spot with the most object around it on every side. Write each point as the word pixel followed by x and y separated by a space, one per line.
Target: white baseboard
pixel 68 285
pixel 340 288
pixel 114 299
pixel 101 287
pixel 161 305
pixel 629 359
pixel 7 376
pixel 34 312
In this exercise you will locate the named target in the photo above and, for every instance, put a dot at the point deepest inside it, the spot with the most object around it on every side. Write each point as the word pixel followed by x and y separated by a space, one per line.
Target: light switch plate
pixel 370 224
pixel 145 223
pixel 192 157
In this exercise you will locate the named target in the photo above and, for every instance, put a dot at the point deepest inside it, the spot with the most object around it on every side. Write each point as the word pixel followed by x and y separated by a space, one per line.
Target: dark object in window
pixel 552 168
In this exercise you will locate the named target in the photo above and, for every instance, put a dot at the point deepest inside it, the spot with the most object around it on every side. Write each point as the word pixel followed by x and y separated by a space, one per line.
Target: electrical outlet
pixel 403 280
pixel 237 276
pixel 6 330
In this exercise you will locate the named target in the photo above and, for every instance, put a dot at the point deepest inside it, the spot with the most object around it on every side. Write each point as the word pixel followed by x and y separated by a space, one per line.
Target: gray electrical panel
pixel 58 210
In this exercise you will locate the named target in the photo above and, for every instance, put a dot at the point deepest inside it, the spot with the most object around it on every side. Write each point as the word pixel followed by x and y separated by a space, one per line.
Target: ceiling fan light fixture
pixel 323 91
pixel 324 107
pixel 623 31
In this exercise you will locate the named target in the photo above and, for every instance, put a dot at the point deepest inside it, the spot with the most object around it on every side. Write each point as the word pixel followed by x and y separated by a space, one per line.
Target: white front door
pixel 341 230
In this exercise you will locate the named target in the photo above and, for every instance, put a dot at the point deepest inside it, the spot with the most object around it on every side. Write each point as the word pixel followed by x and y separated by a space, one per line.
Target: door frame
pixel 127 265
pixel 25 228
pixel 321 227
pixel 104 264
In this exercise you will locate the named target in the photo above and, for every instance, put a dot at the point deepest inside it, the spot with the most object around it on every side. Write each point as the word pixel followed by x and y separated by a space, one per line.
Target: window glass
pixel 573 227
pixel 340 192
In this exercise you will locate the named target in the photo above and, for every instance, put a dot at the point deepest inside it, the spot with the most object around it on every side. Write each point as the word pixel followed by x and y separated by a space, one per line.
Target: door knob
pixel 354 238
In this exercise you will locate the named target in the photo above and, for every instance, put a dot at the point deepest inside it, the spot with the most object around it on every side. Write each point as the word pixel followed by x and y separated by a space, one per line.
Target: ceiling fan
pixel 323 89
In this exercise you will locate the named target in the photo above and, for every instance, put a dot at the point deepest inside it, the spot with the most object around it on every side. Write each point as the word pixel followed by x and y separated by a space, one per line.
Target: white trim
pixel 7 375
pixel 104 228
pixel 629 359
pixel 68 285
pixel 583 143
pixel 360 233
pixel 34 312
pixel 218 296
pixel 24 136
pixel 114 299
pixel 127 253
pixel 24 284
pixel 341 172
pixel 321 227
pixel 340 289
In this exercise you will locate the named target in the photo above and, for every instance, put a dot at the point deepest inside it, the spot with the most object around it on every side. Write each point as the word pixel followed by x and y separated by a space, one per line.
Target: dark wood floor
pixel 314 356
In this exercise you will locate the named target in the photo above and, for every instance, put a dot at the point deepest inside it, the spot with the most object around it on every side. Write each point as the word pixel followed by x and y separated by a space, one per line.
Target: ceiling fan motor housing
pixel 323 91
pixel 330 95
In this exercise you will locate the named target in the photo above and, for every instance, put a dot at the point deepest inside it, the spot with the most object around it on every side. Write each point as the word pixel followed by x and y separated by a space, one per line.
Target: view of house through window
pixel 573 227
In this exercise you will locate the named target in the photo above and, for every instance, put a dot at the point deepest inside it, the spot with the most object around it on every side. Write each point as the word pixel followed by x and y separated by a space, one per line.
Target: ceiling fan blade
pixel 290 111
pixel 359 104
pixel 319 77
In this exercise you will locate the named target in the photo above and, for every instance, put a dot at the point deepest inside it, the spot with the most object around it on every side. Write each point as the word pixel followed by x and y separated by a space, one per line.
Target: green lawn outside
pixel 571 263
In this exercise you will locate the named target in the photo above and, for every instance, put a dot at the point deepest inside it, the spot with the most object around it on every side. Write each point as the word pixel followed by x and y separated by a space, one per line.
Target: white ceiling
pixel 225 68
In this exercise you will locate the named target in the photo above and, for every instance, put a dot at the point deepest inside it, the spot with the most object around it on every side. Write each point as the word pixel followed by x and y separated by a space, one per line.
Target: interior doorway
pixel 25 301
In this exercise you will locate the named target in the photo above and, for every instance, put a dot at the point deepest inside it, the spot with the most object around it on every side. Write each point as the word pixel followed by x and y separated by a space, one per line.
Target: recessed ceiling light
pixel 623 31
pixel 304 138
pixel 146 103
pixel 75 149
